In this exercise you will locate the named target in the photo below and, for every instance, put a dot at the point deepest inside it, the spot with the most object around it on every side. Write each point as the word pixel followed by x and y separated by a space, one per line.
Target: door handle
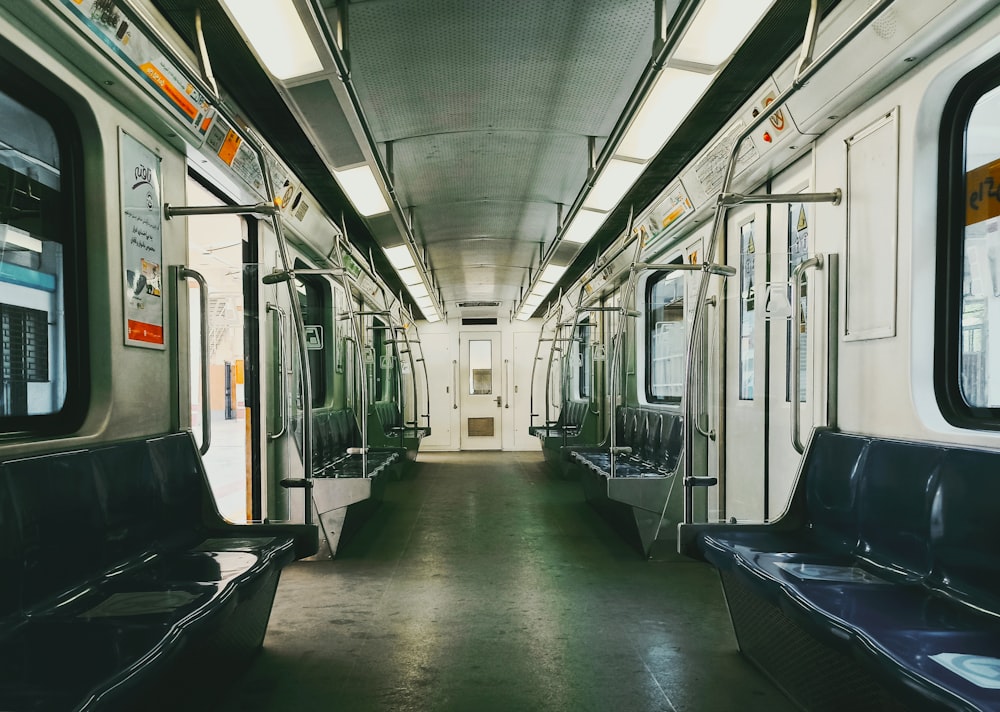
pixel 797 275
pixel 499 401
pixel 183 274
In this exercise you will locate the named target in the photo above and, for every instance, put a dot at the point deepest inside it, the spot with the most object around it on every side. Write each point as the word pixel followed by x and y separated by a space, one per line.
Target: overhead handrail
pixel 798 274
pixel 184 274
pixel 804 71
pixel 282 369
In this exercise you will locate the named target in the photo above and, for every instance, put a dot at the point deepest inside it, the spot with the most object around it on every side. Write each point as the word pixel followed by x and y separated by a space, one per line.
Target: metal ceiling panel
pixel 331 129
pixel 490 165
pixel 440 66
pixel 531 221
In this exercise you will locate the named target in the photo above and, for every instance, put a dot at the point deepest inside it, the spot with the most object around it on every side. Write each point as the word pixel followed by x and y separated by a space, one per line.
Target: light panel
pixel 275 31
pixel 418 290
pixel 362 190
pixel 613 183
pixel 671 99
pixel 410 275
pixel 552 273
pixel 432 316
pixel 524 314
pixel 541 290
pixel 399 256
pixel 532 301
pixel 719 29
pixel 583 227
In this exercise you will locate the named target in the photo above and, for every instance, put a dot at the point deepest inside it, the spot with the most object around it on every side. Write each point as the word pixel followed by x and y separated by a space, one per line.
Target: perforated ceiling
pixel 488 107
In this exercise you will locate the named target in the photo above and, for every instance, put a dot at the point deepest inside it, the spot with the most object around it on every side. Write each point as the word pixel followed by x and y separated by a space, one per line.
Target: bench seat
pixel 634 495
pixel 346 488
pixel 575 427
pixel 887 560
pixel 119 582
pixel 387 430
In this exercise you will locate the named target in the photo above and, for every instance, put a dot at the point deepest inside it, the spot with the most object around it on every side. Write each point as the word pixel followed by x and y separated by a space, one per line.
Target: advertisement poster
pixel 142 243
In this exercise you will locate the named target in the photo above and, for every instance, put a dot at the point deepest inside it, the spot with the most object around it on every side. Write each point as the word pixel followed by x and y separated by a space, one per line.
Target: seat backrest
pixel 11 555
pixel 673 439
pixel 60 521
pixel 965 527
pixel 130 496
pixel 897 487
pixel 832 468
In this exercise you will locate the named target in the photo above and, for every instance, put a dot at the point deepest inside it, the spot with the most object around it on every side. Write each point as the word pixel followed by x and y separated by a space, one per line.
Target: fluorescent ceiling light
pixel 532 301
pixel 399 256
pixel 524 315
pixel 410 275
pixel 363 190
pixel 276 32
pixel 719 29
pixel 418 290
pixel 552 273
pixel 613 183
pixel 432 316
pixel 583 227
pixel 541 290
pixel 672 97
pixel 424 302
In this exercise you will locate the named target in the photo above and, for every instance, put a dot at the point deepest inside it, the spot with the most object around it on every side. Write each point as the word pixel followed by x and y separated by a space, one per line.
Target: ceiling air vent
pixel 475 305
pixel 479 322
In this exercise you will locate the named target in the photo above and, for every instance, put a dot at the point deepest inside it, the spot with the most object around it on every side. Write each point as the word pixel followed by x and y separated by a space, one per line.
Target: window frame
pixel 951 226
pixel 65 122
pixel 318 286
pixel 653 280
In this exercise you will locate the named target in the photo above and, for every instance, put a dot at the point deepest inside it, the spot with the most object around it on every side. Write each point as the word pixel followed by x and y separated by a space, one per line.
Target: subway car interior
pixel 461 355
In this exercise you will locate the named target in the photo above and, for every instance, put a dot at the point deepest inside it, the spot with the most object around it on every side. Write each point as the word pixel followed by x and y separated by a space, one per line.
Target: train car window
pixel 42 354
pixel 381 366
pixel 665 338
pixel 747 313
pixel 968 338
pixel 316 304
pixel 798 252
pixel 584 359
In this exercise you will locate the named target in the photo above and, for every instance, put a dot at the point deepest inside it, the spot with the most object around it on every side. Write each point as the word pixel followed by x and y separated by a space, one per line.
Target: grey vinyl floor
pixel 483 583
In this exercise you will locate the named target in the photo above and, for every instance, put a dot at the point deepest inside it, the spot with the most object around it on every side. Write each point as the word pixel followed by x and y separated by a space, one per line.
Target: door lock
pixel 499 401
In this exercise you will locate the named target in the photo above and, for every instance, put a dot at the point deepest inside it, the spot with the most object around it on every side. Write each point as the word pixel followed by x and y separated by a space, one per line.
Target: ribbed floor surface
pixel 484 584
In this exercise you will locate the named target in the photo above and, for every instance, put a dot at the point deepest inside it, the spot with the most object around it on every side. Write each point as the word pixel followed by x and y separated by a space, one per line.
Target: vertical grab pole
pixel 622 328
pixel 427 385
pixel 548 368
pixel 359 352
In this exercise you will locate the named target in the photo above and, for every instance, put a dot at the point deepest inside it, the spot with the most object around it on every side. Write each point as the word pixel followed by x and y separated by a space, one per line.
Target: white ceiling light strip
pixel 711 38
pixel 276 33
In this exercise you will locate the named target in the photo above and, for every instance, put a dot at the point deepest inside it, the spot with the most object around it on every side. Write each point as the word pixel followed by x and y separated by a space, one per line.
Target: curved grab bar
pixel 793 361
pixel 185 273
pixel 282 368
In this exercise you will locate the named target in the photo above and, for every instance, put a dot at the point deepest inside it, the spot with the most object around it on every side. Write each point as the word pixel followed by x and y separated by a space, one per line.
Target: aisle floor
pixel 482 583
